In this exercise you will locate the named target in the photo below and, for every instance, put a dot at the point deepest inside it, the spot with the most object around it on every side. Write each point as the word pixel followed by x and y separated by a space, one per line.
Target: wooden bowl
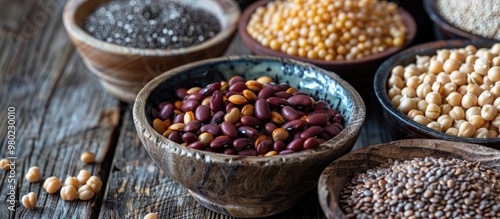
pixel 401 126
pixel 242 186
pixel 358 73
pixel 444 30
pixel 341 171
pixel 123 71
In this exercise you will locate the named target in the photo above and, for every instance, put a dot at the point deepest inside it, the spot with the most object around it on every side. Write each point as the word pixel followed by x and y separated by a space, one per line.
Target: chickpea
pixel 492 133
pixel 489 112
pixel 469 100
pixel 494 73
pixel 452 131
pixel 458 77
pixel 445 109
pixel 433 97
pixel 422 105
pixel 495 61
pixel 443 78
pixel 406 105
pixel 481 66
pixel 433 111
pixel 398 71
pixel 151 216
pixel 435 66
pixel 421 120
pixel 396 81
pixel 5 164
pixel 33 174
pixel 475 78
pixel 29 201
pixel 495 90
pixel 429 78
pixel 485 98
pixel 451 65
pixel 457 113
pixel 475 89
pixel 396 100
pixel 69 193
pixel 423 90
pixel 409 92
pixel 394 91
pixel 413 82
pixel 475 110
pixel 457 56
pixel 466 129
pixel 52 184
pixel 85 193
pixel 477 121
pixel 482 133
pixel 434 125
pixel 454 99
pixel 445 121
pixel 443 54
pixel 83 176
pixel 95 183
pixel 437 87
pixel 414 112
pixel 496 121
pixel 462 90
pixel 72 181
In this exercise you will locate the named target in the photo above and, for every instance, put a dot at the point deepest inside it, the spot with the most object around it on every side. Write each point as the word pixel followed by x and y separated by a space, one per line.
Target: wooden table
pixel 61 111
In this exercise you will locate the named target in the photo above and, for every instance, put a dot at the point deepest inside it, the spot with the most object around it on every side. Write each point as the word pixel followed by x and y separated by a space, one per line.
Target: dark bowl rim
pixel 432 11
pixel 232 13
pixel 383 72
pixel 256 48
pixel 353 127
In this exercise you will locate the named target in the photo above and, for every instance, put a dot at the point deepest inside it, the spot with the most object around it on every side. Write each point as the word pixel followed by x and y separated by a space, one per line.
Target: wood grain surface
pixel 62 111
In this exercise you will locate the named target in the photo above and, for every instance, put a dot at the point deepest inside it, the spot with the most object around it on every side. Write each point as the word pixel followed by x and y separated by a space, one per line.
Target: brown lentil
pixel 456 88
pixel 424 188
pixel 251 118
pixel 328 30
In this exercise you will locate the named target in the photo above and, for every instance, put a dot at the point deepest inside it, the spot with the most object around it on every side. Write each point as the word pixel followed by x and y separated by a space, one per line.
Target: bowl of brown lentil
pixel 127 43
pixel 474 19
pixel 443 90
pixel 242 133
pixel 349 38
pixel 413 178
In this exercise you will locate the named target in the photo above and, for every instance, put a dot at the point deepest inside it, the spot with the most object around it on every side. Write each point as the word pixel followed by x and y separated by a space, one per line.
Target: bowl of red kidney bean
pixel 247 135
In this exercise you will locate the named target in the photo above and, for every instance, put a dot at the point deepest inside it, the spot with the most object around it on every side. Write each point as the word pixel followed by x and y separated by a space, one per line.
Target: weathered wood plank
pixel 61 109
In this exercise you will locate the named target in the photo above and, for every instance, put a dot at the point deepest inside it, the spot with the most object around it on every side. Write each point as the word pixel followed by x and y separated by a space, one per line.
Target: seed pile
pixel 424 188
pixel 247 117
pixel 328 29
pixel 151 24
pixel 479 17
pixel 456 91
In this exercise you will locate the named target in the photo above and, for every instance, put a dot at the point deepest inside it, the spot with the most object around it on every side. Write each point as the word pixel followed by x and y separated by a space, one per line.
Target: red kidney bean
pixel 230 93
pixel 279 146
pixel 198 145
pixel 190 105
pixel 277 102
pixel 217 101
pixel 296 135
pixel 275 87
pixel 208 149
pixel 284 152
pixel 284 86
pixel 300 101
pixel 176 137
pixel 283 94
pixel 217 118
pixel 229 151
pixel 192 126
pixel 296 145
pixel 229 129
pixel 295 125
pixel 317 119
pixel 166 112
pixel 238 87
pixel 289 113
pixel 221 142
pixel 265 93
pixel 238 124
pixel 235 79
pixel 242 143
pixel 248 152
pixel 163 104
pixel 262 109
pixel 189 137
pixel 321 104
pixel 324 135
pixel 212 129
pixel 181 93
pixel 338 118
pixel 211 88
pixel 339 126
pixel 195 96
pixel 251 121
pixel 264 146
pixel 300 93
pixel 312 131
pixel 179 118
pixel 229 106
pixel 311 143
pixel 154 113
pixel 202 113
pixel 248 131
pixel 270 127
pixel 332 130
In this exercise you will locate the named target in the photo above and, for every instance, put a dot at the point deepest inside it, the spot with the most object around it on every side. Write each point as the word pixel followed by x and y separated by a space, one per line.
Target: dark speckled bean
pixel 311 143
pixel 212 129
pixel 248 152
pixel 189 137
pixel 279 146
pixel 262 109
pixel 217 118
pixel 217 101
pixel 221 142
pixel 176 137
pixel 296 145
pixel 295 125
pixel 277 102
pixel 248 131
pixel 312 131
pixel 202 113
pixel 229 129
pixel 289 113
pixel 238 87
pixel 242 143
pixel 192 126
pixel 190 105
pixel 264 146
pixel 251 121
pixel 300 101
pixel 197 145
pixel 317 119
pixel 166 112
pixel 266 93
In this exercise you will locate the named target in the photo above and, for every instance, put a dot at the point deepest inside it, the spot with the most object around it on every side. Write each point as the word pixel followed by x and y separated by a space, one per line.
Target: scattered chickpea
pixel 52 184
pixel 69 193
pixel 72 181
pixel 5 164
pixel 95 183
pixel 83 176
pixel 88 157
pixel 85 193
pixel 29 201
pixel 151 216
pixel 33 174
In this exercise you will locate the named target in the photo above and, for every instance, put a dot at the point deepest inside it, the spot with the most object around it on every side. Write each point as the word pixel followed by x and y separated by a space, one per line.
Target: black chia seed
pixel 150 24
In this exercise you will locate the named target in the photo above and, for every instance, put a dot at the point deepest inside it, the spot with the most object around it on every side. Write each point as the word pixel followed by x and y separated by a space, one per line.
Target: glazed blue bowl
pixel 248 186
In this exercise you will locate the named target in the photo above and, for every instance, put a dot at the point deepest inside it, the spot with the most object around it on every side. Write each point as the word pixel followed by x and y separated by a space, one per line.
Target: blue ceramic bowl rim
pixel 383 73
pixel 352 128
pixel 430 8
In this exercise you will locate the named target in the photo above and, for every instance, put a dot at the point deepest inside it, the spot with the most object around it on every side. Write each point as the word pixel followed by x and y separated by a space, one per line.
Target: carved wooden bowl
pixel 342 170
pixel 123 71
pixel 248 186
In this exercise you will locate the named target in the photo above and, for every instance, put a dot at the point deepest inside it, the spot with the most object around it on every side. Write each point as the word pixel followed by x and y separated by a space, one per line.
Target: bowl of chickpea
pixel 443 90
pixel 349 38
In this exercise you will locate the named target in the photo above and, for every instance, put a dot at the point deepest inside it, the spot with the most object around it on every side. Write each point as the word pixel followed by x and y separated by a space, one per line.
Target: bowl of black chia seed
pixel 413 178
pixel 126 43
